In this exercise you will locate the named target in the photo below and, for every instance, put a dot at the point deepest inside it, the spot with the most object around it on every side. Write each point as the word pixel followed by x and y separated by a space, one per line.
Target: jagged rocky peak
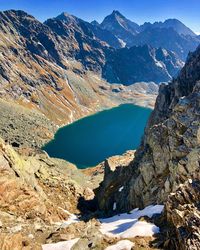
pixel 17 13
pixel 116 14
pixel 169 153
pixel 121 27
pixel 16 20
pixel 67 18
pixel 116 18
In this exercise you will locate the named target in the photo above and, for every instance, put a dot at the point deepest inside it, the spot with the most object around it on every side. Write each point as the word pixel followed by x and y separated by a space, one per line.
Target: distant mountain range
pixel 171 34
pixel 66 58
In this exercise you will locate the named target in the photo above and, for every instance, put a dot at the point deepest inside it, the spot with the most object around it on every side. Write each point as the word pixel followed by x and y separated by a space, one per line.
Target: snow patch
pixel 114 206
pixel 63 245
pixel 123 44
pixel 72 219
pixel 165 52
pixel 121 188
pixel 159 64
pixel 127 225
pixel 121 245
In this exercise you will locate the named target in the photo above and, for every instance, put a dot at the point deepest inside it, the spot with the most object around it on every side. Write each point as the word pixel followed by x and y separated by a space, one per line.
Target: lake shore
pixel 92 139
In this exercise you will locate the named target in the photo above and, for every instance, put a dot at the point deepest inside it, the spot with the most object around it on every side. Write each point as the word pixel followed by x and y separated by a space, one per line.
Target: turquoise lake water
pixel 91 140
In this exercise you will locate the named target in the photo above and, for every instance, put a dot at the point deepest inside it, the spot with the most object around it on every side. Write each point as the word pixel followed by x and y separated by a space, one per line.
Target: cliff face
pixel 169 153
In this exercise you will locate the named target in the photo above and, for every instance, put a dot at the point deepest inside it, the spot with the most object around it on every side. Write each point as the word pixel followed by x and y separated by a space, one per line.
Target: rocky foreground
pixel 39 197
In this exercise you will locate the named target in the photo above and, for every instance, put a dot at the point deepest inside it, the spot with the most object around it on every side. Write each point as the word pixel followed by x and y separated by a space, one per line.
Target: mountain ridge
pixel 54 65
pixel 138 34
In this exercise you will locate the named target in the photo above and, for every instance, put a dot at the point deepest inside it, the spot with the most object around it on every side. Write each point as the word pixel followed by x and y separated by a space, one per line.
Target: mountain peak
pixel 18 13
pixel 178 26
pixel 120 26
pixel 66 17
pixel 116 13
pixel 95 23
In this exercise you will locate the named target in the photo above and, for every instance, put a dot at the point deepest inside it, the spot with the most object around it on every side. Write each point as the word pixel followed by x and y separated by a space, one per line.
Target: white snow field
pixel 127 225
pixel 121 245
pixel 63 245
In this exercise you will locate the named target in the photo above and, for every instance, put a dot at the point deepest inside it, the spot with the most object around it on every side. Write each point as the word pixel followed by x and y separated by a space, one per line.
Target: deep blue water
pixel 90 140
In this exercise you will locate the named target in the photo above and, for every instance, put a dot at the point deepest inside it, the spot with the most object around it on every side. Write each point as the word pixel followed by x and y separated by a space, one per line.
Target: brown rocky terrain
pixel 183 216
pixel 38 195
pixel 29 208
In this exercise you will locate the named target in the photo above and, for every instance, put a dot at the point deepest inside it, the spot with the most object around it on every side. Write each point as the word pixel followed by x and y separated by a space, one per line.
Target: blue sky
pixel 139 11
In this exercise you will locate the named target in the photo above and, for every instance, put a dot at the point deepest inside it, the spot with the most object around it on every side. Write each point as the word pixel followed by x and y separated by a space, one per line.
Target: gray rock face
pixel 121 27
pixel 183 216
pixel 169 153
pixel 168 38
pixel 140 63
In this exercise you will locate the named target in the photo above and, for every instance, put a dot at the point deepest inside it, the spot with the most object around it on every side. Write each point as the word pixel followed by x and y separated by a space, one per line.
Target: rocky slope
pixel 38 69
pixel 29 208
pixel 23 128
pixel 38 196
pixel 169 153
pixel 183 216
pixel 167 38
pixel 141 63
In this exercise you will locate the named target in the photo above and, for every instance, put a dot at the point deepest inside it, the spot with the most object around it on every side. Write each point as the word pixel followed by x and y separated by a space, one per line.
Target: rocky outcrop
pixel 35 194
pixel 182 214
pixel 169 153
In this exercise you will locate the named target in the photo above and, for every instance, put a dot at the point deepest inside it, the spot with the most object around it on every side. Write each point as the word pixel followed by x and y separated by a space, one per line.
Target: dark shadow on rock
pixel 88 208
